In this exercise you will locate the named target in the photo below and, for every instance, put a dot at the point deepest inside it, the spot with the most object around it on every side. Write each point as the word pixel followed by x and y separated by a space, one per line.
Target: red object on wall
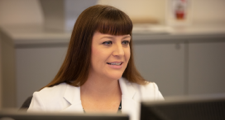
pixel 179 15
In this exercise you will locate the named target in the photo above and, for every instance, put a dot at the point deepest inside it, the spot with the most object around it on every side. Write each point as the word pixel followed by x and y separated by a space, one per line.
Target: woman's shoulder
pixel 150 86
pixel 147 85
pixel 60 88
pixel 54 92
pixel 149 91
pixel 51 98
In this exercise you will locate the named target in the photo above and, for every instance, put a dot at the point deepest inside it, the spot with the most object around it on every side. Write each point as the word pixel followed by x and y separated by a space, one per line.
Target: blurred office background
pixel 183 59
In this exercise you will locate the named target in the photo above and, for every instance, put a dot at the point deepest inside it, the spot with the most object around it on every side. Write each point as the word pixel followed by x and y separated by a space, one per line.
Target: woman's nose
pixel 118 50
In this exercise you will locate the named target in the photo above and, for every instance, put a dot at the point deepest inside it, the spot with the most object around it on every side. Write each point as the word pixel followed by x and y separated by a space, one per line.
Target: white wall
pixel 30 12
pixel 203 11
pixel 151 9
pixel 20 12
pixel 208 11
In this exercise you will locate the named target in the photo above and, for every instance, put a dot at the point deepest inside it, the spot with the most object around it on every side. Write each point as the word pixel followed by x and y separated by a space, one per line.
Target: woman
pixel 98 73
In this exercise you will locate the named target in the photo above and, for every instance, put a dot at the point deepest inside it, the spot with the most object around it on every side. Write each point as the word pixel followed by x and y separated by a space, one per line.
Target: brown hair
pixel 102 18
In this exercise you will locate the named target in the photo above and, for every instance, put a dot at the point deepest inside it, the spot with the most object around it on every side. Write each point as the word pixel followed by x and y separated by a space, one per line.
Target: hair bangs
pixel 116 23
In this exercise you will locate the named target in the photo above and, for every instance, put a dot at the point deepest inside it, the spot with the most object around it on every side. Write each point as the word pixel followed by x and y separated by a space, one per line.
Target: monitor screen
pixel 22 115
pixel 185 108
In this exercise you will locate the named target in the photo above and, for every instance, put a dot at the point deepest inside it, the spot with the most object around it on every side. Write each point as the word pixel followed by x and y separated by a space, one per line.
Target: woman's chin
pixel 115 76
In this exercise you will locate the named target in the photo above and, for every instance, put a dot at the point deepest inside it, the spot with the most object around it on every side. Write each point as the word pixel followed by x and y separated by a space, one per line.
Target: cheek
pixel 94 51
pixel 97 54
pixel 94 54
pixel 127 54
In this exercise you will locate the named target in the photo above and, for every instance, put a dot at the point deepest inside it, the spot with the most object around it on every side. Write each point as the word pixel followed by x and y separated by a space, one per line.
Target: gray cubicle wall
pixel 0 73
pixel 164 64
pixel 207 66
pixel 7 61
pixel 36 66
pixel 182 64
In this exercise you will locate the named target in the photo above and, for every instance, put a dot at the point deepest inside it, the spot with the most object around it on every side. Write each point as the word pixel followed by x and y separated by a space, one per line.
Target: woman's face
pixel 110 55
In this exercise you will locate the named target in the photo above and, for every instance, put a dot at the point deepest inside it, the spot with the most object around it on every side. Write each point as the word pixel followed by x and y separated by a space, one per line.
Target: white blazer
pixel 66 98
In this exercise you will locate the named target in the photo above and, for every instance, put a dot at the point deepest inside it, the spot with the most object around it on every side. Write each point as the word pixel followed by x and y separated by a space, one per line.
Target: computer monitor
pixel 21 115
pixel 185 108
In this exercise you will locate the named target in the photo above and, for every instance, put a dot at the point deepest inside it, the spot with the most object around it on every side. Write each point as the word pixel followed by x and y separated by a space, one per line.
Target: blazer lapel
pixel 72 96
pixel 128 94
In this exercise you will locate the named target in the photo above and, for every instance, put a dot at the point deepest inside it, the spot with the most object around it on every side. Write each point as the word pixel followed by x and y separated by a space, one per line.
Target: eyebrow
pixel 128 36
pixel 107 37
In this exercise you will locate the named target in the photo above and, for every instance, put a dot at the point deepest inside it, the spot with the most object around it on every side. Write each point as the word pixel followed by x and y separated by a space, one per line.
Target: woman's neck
pixel 100 95
pixel 100 87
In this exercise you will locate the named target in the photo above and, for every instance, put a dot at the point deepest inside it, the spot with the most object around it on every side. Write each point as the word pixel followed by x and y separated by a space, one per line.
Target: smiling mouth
pixel 113 63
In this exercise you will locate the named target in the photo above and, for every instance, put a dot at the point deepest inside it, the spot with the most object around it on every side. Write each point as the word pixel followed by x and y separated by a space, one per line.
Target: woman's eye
pixel 125 42
pixel 107 43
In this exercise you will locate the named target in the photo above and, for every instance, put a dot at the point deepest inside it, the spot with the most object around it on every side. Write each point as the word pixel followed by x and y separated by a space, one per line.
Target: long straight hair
pixel 105 19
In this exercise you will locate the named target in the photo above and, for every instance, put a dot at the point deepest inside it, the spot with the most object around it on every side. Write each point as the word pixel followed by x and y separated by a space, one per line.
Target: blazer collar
pixel 127 89
pixel 72 95
pixel 128 95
